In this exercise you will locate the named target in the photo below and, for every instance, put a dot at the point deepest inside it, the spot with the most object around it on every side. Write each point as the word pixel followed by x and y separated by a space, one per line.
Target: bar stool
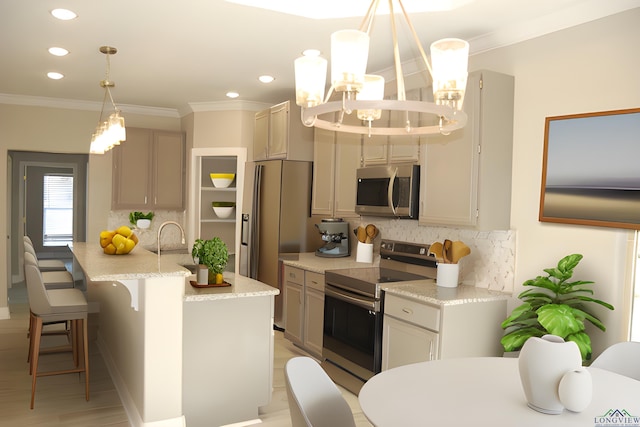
pixel 44 264
pixel 52 279
pixel 56 306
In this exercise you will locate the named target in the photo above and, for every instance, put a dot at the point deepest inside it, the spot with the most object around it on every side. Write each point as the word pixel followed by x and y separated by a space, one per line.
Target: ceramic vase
pixel 576 389
pixel 542 364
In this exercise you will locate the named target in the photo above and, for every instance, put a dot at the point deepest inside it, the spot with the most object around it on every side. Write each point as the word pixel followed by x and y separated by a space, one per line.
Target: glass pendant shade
pixel 372 90
pixel 449 58
pixel 116 128
pixel 349 54
pixel 311 78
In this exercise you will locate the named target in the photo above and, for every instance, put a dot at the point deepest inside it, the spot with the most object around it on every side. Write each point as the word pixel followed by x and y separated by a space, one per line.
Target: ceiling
pixel 173 53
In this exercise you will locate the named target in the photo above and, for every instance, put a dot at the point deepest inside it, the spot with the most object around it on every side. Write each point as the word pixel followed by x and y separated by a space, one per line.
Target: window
pixel 57 203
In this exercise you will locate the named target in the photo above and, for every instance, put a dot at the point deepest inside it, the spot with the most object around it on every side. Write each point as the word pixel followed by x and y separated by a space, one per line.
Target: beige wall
pixel 588 68
pixel 54 130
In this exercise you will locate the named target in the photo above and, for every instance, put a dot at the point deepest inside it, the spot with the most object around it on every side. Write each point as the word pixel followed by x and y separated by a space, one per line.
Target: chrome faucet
pixel 160 230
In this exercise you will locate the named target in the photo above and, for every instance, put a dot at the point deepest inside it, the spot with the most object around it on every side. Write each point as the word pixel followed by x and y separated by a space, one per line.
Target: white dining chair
pixel 314 399
pixel 59 305
pixel 622 358
pixel 43 264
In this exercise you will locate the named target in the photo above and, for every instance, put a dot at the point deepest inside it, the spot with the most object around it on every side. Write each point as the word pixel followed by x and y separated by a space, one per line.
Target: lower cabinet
pixel 416 331
pixel 304 308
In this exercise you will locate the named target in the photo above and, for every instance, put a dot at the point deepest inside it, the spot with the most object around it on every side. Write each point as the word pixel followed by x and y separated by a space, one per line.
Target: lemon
pixel 110 249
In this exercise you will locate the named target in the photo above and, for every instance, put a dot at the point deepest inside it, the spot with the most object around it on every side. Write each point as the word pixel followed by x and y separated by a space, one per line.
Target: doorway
pixel 48 203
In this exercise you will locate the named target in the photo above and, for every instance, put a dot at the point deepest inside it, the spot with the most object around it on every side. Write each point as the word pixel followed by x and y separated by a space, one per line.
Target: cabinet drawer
pixel 411 311
pixel 293 274
pixel 314 280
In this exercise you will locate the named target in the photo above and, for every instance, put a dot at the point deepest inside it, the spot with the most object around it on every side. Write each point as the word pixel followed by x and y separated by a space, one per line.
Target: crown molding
pixel 233 105
pixel 74 104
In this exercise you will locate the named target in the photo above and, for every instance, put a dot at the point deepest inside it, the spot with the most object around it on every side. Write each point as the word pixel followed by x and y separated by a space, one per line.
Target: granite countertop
pixel 427 291
pixel 241 287
pixel 138 264
pixel 310 262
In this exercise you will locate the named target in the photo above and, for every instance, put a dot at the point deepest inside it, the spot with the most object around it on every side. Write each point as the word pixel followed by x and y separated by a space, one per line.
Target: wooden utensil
pixel 446 251
pixel 436 250
pixel 372 232
pixel 362 234
pixel 458 251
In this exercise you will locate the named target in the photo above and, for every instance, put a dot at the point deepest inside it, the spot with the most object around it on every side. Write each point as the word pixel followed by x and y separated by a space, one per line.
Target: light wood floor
pixel 60 399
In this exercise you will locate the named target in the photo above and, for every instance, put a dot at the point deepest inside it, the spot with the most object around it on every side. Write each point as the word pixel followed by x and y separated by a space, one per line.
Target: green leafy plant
pixel 212 253
pixel 135 216
pixel 555 306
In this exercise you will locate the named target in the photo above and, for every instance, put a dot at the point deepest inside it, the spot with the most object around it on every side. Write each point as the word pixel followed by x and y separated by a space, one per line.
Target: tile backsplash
pixel 171 238
pixel 491 263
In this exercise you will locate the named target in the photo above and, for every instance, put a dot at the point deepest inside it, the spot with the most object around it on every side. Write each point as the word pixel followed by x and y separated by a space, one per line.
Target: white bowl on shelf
pixel 222 180
pixel 223 209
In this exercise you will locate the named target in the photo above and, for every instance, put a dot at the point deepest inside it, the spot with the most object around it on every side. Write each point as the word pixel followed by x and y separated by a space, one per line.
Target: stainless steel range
pixel 352 338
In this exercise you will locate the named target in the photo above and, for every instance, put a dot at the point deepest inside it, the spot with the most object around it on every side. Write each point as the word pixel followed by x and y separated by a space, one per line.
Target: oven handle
pixel 348 297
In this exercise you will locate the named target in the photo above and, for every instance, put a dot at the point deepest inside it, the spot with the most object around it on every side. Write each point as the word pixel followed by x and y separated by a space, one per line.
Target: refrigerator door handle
pixel 254 254
pixel 244 230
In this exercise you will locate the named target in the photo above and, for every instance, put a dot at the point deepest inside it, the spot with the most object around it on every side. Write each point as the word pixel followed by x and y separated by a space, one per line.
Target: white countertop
pixel 138 264
pixel 309 261
pixel 427 291
pixel 241 287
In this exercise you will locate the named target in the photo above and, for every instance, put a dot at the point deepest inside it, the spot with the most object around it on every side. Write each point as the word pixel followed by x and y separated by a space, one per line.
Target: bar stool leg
pixel 37 332
pixel 85 330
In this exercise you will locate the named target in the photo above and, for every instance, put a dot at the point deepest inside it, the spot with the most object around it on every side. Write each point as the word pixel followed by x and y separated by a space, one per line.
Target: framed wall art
pixel 591 169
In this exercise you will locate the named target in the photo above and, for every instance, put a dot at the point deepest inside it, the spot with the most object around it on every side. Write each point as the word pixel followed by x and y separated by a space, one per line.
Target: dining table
pixel 486 391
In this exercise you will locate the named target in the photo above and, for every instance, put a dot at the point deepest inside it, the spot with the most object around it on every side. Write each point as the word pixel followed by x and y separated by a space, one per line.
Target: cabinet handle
pixel 431 350
pixel 407 310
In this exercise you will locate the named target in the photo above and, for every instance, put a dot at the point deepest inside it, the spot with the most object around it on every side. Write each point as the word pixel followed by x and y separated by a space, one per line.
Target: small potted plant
pixel 213 254
pixel 140 220
pixel 554 306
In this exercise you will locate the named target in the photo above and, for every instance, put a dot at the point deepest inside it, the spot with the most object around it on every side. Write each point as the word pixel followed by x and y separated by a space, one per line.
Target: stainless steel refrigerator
pixel 275 215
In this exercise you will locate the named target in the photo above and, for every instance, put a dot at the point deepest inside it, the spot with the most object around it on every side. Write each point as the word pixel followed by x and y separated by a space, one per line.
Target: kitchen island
pixel 160 337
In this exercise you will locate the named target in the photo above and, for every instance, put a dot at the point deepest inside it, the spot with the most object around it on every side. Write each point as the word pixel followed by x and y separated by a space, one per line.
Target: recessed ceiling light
pixel 233 94
pixel 58 51
pixel 64 14
pixel 54 76
pixel 266 79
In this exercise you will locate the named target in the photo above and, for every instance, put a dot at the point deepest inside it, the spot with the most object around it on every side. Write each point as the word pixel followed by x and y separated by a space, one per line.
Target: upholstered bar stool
pixel 52 279
pixel 43 264
pixel 58 305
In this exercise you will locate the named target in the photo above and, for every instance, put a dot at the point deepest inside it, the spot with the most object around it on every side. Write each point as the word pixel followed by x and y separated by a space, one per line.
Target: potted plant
pixel 212 253
pixel 140 220
pixel 554 306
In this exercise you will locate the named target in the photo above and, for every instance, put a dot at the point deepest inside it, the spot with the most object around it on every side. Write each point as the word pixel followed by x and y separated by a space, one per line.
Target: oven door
pixel 352 337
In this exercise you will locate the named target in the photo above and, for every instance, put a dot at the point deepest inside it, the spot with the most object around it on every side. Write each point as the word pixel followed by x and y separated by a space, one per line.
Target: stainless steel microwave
pixel 389 190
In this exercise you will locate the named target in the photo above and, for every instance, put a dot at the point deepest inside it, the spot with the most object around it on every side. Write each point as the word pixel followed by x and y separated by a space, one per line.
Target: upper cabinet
pixel 278 135
pixel 466 176
pixel 377 150
pixel 336 159
pixel 149 171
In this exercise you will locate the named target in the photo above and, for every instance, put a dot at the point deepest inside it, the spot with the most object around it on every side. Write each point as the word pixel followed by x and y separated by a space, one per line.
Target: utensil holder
pixel 447 275
pixel 365 252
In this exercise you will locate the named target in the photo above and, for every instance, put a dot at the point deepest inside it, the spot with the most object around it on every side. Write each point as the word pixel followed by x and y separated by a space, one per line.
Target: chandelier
pixel 111 131
pixel 364 93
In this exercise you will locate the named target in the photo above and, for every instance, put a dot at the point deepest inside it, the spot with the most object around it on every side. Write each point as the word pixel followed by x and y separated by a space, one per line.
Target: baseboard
pixel 4 313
